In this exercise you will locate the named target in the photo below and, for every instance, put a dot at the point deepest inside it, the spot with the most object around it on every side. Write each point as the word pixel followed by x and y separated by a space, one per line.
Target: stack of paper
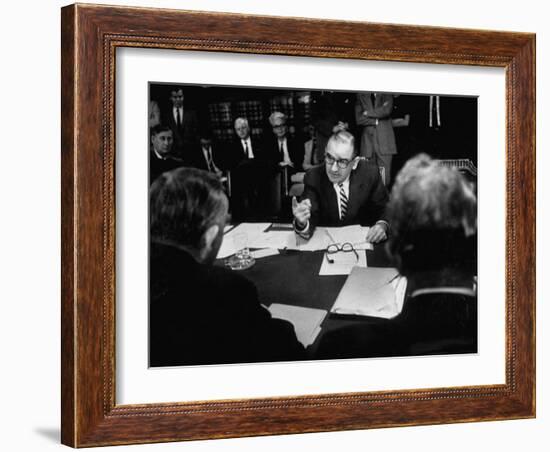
pixel 252 230
pixel 306 321
pixel 374 292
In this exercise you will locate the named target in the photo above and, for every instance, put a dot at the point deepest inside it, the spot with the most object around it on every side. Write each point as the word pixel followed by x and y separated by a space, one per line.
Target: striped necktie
pixel 343 202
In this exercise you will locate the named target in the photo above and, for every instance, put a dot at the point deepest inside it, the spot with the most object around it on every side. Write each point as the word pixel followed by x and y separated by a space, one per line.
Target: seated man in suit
pixel 201 313
pixel 245 147
pixel 345 190
pixel 207 155
pixel 280 147
pixel 252 175
pixel 161 158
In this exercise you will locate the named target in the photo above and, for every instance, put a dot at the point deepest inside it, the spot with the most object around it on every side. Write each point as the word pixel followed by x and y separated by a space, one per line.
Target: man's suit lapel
pixel 356 190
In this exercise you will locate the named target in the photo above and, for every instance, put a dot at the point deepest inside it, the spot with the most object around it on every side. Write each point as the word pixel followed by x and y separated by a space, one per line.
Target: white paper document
pixel 288 239
pixel 275 240
pixel 354 234
pixel 343 263
pixel 306 321
pixel 374 292
pixel 252 230
pixel 258 254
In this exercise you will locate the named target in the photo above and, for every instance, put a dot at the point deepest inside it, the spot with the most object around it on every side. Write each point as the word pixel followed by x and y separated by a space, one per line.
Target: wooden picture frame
pixel 90 36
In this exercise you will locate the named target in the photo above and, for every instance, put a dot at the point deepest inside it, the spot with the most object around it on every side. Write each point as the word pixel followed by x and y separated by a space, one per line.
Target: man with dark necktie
pixel 209 156
pixel 183 123
pixel 251 174
pixel 346 190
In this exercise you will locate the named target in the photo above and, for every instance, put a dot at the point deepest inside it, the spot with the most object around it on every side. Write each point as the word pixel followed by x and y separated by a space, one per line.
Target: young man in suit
pixel 345 190
pixel 183 122
pixel 201 313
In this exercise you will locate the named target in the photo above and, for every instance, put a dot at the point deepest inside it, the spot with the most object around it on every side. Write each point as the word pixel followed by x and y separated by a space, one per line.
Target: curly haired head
pixel 432 213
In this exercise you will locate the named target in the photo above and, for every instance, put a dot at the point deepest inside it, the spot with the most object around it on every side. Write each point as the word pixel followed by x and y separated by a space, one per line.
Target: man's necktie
pixel 178 117
pixel 343 202
pixel 209 160
pixel 281 151
pixel 245 148
pixel 373 98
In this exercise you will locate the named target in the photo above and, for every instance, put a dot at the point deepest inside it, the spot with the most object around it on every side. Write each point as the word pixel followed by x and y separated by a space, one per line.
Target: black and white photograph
pixel 296 224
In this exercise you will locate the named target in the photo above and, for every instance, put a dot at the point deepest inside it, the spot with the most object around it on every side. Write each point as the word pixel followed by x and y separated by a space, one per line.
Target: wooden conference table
pixel 292 277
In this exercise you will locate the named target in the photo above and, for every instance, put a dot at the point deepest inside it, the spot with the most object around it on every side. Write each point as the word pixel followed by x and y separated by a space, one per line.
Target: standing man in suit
pixel 345 190
pixel 373 111
pixel 183 123
pixel 161 157
pixel 201 313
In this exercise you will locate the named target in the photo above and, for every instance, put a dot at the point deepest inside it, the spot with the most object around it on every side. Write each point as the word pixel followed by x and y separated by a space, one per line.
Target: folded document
pixel 306 321
pixel 373 292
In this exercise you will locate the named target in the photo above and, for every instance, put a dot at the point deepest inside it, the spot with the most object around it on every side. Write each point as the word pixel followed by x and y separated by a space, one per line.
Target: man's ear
pixel 356 161
pixel 209 236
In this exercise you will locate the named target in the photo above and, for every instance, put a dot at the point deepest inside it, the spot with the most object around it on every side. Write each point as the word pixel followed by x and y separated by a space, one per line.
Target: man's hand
pixel 283 163
pixel 377 233
pixel 340 126
pixel 301 212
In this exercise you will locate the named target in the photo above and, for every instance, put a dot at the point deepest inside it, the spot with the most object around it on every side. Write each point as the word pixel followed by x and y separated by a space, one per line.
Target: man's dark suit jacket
pixel 185 136
pixel 430 324
pixel 221 153
pixel 237 155
pixel 158 166
pixel 294 147
pixel 204 314
pixel 367 197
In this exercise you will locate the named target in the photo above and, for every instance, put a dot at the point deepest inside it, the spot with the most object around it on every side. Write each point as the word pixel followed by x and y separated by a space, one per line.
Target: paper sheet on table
pixel 374 292
pixel 324 236
pixel 258 254
pixel 252 230
pixel 285 239
pixel 306 321
pixel 354 234
pixel 343 263
pixel 274 239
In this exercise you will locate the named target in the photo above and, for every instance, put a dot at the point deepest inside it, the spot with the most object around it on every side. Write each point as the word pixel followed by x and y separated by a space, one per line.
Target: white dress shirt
pixel 286 157
pixel 248 146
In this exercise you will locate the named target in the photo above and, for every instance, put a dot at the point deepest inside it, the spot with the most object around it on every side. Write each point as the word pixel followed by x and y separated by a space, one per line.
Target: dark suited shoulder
pixel 373 191
pixel 203 314
pixel 313 175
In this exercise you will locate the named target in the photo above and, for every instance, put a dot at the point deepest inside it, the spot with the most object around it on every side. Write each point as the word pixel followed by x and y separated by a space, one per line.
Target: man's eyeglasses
pixel 336 247
pixel 342 163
